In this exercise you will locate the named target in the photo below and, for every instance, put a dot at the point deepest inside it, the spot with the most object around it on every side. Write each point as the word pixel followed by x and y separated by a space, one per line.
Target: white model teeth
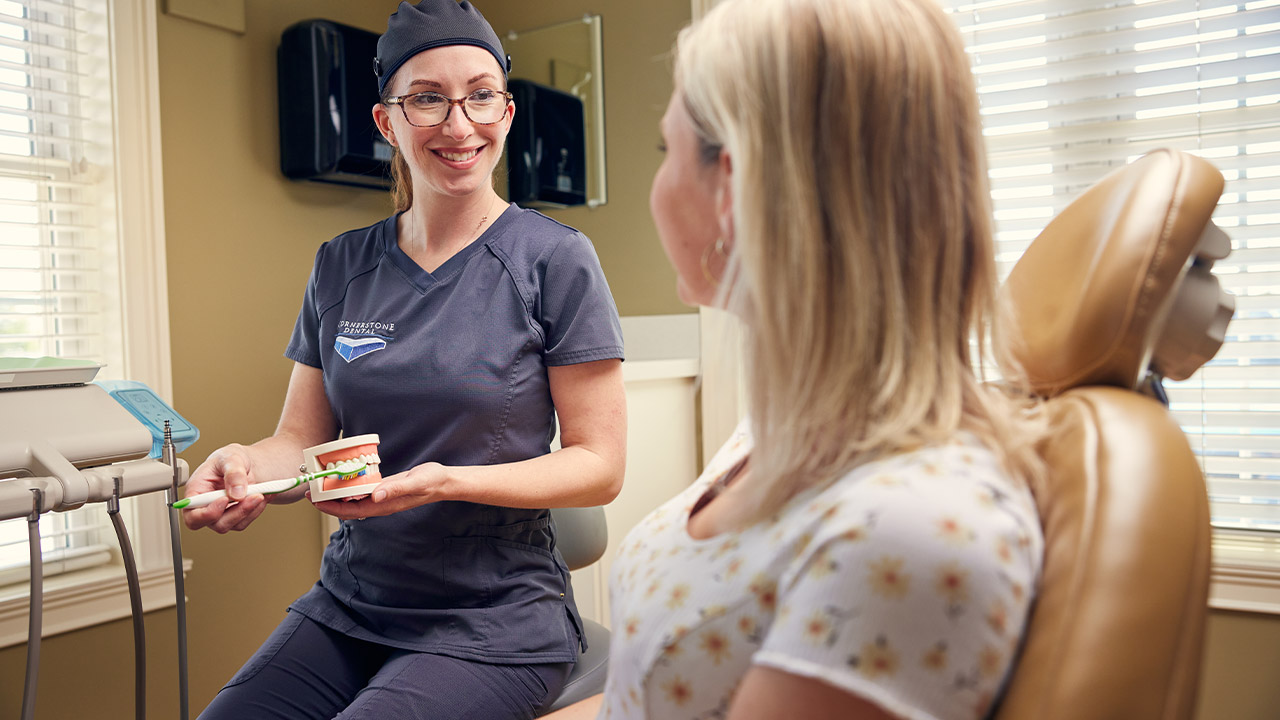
pixel 459 157
pixel 370 459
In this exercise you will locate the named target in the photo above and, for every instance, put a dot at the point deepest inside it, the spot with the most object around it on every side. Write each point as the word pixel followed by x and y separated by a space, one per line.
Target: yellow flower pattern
pixel 954 531
pixel 909 578
pixel 766 591
pixel 953 583
pixel 878 659
pixel 818 628
pixel 887 578
pixel 936 658
pixel 678 690
pixel 715 645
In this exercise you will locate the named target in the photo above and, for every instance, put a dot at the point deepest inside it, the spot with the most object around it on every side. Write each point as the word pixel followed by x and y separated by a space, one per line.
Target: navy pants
pixel 305 670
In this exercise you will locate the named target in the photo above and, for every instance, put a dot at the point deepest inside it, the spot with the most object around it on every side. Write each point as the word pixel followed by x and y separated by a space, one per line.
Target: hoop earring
pixel 718 248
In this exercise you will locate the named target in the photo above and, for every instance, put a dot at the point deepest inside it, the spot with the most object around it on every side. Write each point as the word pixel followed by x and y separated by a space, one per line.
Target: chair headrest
pixel 1119 283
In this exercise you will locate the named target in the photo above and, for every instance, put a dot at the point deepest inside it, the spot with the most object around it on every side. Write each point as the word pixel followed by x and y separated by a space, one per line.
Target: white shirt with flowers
pixel 906 582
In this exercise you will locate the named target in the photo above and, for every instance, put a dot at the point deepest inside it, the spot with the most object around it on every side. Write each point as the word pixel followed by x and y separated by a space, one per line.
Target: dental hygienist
pixel 452 329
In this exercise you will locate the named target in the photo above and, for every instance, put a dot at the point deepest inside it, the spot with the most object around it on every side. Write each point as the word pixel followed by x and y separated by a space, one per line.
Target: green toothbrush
pixel 345 471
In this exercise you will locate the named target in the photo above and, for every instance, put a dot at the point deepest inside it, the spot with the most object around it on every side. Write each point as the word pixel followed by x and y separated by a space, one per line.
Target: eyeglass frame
pixel 460 102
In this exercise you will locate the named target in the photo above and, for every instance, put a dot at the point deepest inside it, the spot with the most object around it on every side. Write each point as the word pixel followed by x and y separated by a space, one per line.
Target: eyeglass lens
pixel 482 106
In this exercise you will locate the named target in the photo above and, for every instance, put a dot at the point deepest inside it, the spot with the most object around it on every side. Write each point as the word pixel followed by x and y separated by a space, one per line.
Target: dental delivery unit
pixel 66 441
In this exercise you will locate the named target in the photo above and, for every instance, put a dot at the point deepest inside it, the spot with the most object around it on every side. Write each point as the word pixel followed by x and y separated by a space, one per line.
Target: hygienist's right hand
pixel 229 468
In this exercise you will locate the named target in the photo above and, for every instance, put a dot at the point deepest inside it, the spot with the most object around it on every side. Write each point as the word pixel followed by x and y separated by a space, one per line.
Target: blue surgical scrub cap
pixel 433 23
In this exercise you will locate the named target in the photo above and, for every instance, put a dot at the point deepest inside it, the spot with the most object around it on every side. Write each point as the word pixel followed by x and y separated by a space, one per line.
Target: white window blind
pixel 59 250
pixel 1073 90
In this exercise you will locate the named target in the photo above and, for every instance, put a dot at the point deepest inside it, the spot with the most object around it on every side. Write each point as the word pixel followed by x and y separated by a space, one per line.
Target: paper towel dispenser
pixel 326 91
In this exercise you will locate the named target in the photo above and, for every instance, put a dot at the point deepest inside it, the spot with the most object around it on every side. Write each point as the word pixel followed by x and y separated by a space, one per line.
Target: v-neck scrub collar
pixel 413 272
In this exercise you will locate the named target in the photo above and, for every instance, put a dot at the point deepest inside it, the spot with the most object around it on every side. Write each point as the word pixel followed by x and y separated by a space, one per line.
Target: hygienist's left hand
pixel 418 486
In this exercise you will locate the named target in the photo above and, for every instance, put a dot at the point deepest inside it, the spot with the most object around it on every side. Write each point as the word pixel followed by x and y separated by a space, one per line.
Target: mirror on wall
pixel 561 62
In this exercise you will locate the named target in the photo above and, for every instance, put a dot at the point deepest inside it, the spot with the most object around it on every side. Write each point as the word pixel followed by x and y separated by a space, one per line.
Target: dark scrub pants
pixel 304 670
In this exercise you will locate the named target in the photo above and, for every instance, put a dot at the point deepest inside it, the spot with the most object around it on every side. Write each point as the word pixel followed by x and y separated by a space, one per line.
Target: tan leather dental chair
pixel 1113 295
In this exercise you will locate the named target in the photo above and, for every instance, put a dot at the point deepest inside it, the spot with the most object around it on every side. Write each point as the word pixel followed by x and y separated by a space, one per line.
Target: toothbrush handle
pixel 264 488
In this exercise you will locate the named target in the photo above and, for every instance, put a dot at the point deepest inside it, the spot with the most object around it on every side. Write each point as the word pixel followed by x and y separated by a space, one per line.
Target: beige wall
pixel 1241 668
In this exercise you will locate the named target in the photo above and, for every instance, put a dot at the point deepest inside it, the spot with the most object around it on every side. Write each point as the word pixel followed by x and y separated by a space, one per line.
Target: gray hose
pixel 180 592
pixel 135 604
pixel 36 612
pixel 169 454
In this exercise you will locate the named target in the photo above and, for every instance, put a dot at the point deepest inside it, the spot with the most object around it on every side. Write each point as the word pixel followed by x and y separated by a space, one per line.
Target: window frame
pixel 81 599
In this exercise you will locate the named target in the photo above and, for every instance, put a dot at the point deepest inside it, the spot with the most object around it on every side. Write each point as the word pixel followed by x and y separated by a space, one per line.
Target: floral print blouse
pixel 907 583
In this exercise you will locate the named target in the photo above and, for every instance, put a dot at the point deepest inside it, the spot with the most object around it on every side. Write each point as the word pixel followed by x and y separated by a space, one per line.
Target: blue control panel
pixel 144 404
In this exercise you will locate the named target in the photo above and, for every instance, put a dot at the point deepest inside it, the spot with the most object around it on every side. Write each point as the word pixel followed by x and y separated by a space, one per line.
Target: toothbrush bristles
pixel 345 470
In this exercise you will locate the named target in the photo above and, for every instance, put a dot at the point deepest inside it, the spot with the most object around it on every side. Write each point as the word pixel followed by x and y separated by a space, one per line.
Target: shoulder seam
pixel 348 279
pixel 521 291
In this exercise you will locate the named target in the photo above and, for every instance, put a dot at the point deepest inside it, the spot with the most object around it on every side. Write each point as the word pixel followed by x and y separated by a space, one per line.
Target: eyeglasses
pixel 428 109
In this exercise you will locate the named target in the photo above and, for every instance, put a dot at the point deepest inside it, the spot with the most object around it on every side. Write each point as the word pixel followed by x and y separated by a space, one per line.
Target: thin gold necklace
pixel 483 218
pixel 475 234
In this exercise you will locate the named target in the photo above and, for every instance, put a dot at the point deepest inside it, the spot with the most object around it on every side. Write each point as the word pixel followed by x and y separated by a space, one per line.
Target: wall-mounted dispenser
pixel 326 92
pixel 546 149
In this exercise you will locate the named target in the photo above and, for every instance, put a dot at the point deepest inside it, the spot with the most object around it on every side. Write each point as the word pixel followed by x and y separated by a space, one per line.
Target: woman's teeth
pixel 458 157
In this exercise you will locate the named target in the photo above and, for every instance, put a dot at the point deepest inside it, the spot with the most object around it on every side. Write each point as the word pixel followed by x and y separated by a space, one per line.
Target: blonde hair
pixel 862 262
pixel 401 181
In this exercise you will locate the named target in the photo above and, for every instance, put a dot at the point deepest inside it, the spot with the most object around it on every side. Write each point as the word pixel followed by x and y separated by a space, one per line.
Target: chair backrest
pixel 581 535
pixel 1115 291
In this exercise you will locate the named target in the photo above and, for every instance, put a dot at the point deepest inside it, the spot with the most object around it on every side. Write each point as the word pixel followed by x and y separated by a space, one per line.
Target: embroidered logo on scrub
pixel 352 348
pixel 356 339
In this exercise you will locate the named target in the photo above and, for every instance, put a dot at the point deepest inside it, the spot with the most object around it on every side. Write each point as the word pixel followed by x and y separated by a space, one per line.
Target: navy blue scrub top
pixel 450 366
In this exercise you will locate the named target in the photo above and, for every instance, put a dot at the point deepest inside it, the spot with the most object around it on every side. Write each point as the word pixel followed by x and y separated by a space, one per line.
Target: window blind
pixel 1071 91
pixel 59 271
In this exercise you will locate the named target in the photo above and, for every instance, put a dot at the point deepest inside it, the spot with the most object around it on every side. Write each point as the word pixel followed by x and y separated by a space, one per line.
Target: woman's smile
pixel 459 158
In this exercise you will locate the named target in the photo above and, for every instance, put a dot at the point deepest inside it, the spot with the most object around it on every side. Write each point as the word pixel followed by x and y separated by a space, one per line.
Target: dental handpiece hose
pixel 36 606
pixel 135 602
pixel 170 457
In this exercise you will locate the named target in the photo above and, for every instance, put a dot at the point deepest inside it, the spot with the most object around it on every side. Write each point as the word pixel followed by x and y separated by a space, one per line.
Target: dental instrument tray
pixel 22 372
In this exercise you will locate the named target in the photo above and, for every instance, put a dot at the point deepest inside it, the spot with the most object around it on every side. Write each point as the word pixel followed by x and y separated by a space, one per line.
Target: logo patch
pixel 351 348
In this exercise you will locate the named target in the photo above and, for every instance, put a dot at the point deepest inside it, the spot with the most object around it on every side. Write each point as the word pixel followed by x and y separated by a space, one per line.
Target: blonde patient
pixel 865 545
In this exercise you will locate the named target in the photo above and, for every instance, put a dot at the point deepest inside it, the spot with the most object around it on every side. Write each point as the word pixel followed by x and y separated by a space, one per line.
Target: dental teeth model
pixel 333 455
